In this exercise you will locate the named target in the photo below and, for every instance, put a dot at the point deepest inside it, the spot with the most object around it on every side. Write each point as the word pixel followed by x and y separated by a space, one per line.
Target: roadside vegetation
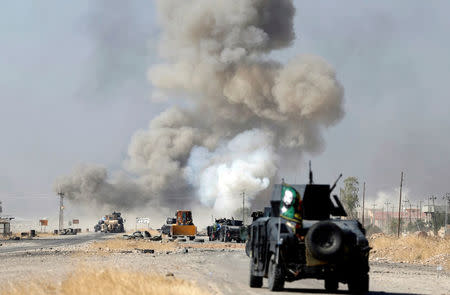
pixel 411 249
pixel 108 282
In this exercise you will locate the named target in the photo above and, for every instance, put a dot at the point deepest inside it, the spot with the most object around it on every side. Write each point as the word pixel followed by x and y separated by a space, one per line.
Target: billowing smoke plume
pixel 243 107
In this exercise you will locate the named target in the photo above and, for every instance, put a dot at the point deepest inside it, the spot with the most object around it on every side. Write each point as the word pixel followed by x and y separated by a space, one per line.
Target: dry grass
pixel 412 249
pixel 119 244
pixel 108 282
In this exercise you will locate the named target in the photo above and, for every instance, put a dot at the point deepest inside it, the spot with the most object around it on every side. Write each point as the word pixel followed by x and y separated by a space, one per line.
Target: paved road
pixel 50 242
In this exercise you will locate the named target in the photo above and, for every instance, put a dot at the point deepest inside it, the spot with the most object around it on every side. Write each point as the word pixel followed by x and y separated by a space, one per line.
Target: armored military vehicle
pixel 227 230
pixel 165 229
pixel 312 242
pixel 111 223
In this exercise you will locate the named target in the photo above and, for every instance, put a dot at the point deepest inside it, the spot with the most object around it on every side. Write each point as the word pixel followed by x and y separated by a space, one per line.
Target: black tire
pixel 275 275
pixel 331 284
pixel 227 237
pixel 324 240
pixel 255 281
pixel 359 284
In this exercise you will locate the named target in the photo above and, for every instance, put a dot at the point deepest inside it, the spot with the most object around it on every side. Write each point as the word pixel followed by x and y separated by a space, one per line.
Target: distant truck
pixel 165 229
pixel 227 230
pixel 112 223
pixel 180 226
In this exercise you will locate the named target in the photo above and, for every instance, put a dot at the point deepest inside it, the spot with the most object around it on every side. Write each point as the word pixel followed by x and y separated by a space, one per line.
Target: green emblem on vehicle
pixel 290 206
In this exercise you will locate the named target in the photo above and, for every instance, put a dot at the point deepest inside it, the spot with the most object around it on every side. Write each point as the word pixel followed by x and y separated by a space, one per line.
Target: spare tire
pixel 324 240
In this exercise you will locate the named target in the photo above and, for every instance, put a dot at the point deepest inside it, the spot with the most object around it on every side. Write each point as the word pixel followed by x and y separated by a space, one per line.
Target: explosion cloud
pixel 243 107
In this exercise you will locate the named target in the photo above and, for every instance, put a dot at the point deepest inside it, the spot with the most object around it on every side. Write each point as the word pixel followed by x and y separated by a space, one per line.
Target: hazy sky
pixel 73 89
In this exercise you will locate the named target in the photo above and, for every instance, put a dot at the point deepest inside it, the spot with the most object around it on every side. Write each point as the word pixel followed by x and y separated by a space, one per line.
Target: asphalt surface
pixel 11 246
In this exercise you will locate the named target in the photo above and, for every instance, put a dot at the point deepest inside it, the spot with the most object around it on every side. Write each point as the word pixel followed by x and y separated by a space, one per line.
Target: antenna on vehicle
pixel 310 174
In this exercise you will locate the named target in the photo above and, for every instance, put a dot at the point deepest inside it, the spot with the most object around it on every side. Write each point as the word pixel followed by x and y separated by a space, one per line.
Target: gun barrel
pixel 335 183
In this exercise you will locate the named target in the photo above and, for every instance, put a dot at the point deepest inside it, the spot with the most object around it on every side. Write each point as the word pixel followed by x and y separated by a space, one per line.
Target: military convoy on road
pixel 301 235
pixel 305 237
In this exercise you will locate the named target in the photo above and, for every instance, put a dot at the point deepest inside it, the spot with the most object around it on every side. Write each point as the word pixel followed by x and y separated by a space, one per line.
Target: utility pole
pixel 447 197
pixel 387 203
pixel 61 211
pixel 364 196
pixel 433 214
pixel 419 211
pixel 410 211
pixel 243 207
pixel 400 205
pixel 407 201
pixel 373 214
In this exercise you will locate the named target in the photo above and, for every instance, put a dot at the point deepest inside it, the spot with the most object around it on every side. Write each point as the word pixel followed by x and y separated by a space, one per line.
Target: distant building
pixel 5 223
pixel 382 218
pixel 5 227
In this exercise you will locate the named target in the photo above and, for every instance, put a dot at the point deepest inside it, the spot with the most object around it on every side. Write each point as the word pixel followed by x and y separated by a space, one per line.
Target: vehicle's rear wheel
pixel 331 284
pixel 276 275
pixel 255 281
pixel 359 284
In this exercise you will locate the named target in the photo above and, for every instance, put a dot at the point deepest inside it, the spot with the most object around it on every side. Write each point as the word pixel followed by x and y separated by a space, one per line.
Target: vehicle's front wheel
pixel 255 281
pixel 359 284
pixel 331 284
pixel 275 275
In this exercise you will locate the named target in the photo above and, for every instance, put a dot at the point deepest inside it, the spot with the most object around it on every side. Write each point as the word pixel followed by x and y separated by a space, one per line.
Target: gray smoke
pixel 120 36
pixel 244 108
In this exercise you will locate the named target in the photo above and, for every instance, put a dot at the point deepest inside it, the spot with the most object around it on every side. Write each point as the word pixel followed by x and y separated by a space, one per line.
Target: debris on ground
pixel 156 238
pixel 151 251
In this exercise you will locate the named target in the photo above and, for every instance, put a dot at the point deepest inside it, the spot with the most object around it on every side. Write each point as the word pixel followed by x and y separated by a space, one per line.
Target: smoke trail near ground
pixel 243 107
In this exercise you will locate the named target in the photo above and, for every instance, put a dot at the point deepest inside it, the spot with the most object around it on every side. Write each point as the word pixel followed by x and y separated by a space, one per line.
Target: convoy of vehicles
pixel 312 242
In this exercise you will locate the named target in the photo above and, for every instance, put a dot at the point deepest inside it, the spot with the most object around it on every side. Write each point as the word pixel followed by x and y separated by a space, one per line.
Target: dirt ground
pixel 218 268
